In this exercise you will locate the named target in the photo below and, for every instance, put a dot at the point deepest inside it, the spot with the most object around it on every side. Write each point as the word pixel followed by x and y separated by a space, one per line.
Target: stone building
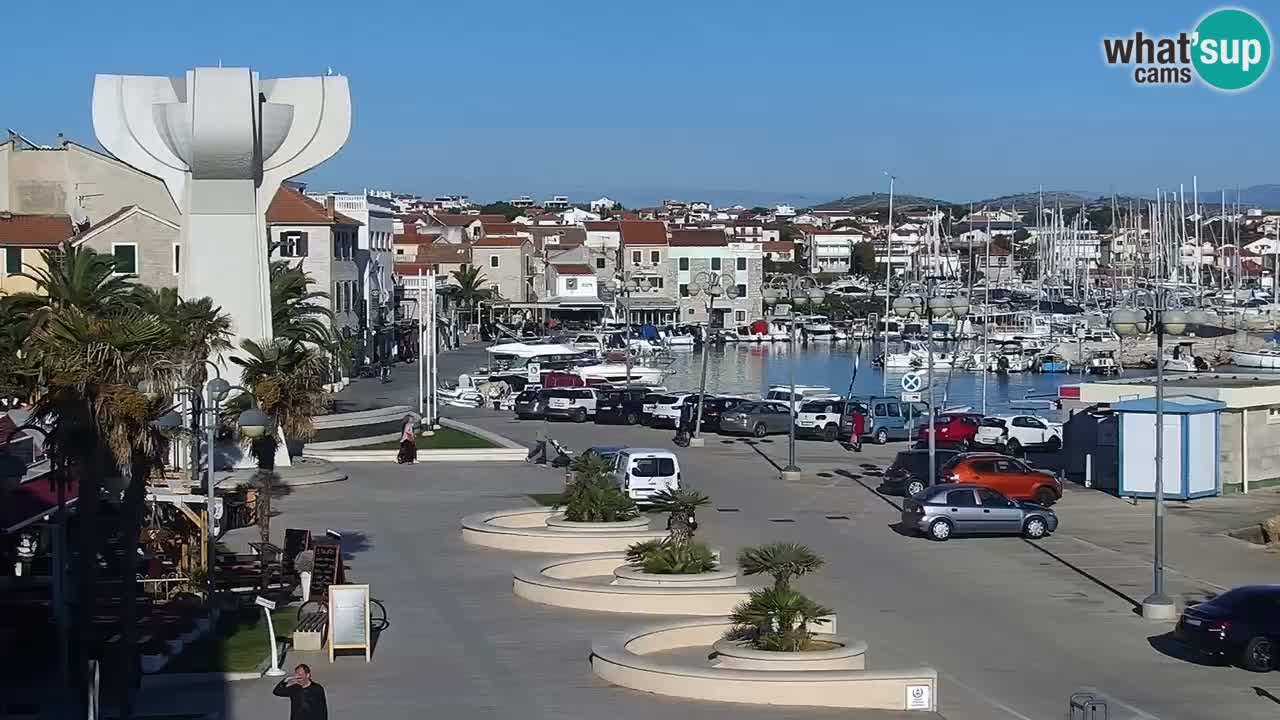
pixel 324 242
pixel 738 264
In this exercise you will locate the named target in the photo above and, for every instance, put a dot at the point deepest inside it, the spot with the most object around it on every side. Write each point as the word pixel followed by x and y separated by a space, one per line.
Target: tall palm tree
pixel 297 313
pixel 198 329
pixel 470 285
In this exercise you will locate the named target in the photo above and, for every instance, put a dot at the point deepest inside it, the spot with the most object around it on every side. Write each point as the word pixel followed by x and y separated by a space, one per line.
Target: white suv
pixel 571 403
pixel 663 409
pixel 1015 433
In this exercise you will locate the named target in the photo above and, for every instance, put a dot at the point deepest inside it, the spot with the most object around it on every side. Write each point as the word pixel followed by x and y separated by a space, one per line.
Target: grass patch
pixel 547 499
pixel 238 645
pixel 444 439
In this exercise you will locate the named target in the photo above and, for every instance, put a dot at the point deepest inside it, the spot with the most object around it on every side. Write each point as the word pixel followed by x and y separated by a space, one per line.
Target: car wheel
pixel 631 419
pixel 580 415
pixel 915 486
pixel 829 432
pixel 759 430
pixel 1045 497
pixel 940 530
pixel 1035 529
pixel 882 436
pixel 1055 443
pixel 1258 655
pixel 1013 447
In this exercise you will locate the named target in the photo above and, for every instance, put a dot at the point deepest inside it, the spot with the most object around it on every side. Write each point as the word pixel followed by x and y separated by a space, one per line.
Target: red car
pixel 954 429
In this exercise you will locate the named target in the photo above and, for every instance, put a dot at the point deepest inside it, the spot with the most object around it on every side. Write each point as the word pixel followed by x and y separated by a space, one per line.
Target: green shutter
pixel 12 261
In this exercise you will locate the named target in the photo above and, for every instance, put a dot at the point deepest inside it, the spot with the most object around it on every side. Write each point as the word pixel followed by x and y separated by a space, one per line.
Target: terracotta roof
pixel 644 232
pixel 290 207
pixel 33 230
pixel 493 218
pixel 501 228
pixel 779 246
pixel 500 241
pixel 573 269
pixel 807 228
pixel 458 220
pixel 438 254
pixel 601 225
pixel 698 238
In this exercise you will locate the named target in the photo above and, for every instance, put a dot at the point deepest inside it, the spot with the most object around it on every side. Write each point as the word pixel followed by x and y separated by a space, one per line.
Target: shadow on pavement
pixel 1167 645
pixel 1262 692
pixel 753 445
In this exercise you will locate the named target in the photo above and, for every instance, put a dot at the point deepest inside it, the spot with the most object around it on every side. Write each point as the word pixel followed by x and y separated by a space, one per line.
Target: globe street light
pixel 928 307
pixel 797 291
pixel 626 285
pixel 714 285
pixel 1140 321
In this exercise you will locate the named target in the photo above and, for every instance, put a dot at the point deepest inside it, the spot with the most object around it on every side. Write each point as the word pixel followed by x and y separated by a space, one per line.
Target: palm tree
pixel 297 315
pixel 197 329
pixel 470 285
pixel 776 619
pixel 680 504
pixel 783 561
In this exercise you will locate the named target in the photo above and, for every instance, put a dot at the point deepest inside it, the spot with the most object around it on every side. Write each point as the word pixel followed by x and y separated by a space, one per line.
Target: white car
pixel 782 393
pixel 1015 433
pixel 571 403
pixel 819 419
pixel 663 409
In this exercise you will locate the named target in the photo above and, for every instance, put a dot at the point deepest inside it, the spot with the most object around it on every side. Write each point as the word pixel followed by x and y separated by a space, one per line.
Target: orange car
pixel 1011 476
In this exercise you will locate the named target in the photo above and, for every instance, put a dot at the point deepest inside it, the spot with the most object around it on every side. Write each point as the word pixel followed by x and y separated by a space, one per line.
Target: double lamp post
pixel 798 292
pixel 627 285
pixel 713 285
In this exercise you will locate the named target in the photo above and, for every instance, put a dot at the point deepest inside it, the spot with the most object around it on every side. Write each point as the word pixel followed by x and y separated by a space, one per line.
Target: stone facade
pixel 156 254
pixel 74 180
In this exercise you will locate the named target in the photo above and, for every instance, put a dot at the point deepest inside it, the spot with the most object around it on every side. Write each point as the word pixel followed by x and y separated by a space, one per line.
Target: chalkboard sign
pixel 328 568
pixel 349 619
pixel 295 541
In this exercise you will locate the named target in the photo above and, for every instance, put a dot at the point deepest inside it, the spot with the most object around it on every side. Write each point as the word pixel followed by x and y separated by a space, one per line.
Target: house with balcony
pixel 738 264
pixel 522 202
pixel 831 251
pixel 645 254
pixel 779 251
pixel 603 204
pixel 557 203
pixel 324 243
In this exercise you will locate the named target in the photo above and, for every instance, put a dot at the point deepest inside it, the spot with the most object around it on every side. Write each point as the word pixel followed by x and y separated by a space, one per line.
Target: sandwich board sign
pixel 349 627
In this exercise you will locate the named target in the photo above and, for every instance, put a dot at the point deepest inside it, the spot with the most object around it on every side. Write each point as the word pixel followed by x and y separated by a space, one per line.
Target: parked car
pixel 620 405
pixel 1011 476
pixel 530 404
pixel 782 393
pixel 819 419
pixel 1016 433
pixel 909 473
pixel 663 410
pixel 642 472
pixel 945 510
pixel 608 453
pixel 954 429
pixel 714 407
pixel 885 418
pixel 576 404
pixel 758 418
pixel 1242 625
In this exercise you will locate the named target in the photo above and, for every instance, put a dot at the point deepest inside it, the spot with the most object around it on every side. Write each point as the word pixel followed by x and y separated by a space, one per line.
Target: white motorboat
pixel 612 372
pixel 917 356
pixel 679 341
pixel 1264 359
pixel 1184 360
pixel 588 342
pixel 1103 362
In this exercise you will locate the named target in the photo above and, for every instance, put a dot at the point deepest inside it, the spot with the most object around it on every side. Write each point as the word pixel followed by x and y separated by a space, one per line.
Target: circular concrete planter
pixel 622 658
pixel 591 582
pixel 628 575
pixel 529 530
pixel 840 654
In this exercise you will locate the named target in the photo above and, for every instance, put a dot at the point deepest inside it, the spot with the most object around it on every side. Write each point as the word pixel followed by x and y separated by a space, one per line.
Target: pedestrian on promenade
pixel 408 442
pixel 539 449
pixel 684 426
pixel 306 698
pixel 857 426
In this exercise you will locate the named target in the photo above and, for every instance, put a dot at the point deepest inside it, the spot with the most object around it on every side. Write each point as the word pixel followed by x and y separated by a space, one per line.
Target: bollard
pixel 1088 470
pixel 1087 706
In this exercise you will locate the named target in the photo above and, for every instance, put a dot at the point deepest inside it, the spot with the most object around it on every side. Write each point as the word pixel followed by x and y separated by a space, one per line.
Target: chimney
pixel 329 205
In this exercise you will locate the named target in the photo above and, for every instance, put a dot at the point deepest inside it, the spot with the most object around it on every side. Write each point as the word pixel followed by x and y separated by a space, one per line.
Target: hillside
pixel 880 201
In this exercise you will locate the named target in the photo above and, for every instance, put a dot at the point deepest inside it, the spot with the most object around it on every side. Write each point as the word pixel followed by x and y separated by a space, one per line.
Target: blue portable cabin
pixel 1192 438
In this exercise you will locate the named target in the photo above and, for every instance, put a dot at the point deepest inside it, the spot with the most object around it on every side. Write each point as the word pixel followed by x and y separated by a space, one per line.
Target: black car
pixel 909 473
pixel 620 405
pixel 530 404
pixel 714 407
pixel 1241 625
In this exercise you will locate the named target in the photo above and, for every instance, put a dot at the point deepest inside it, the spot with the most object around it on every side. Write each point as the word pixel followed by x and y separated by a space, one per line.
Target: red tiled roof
pixel 779 246
pixel 601 225
pixel 290 207
pixel 500 241
pixel 33 230
pixel 807 228
pixel 486 219
pixel 501 228
pixel 458 220
pixel 698 238
pixel 644 232
pixel 573 269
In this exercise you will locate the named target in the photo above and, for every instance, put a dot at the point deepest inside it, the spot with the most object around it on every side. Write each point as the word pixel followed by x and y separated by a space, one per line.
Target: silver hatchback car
pixel 945 510
pixel 758 418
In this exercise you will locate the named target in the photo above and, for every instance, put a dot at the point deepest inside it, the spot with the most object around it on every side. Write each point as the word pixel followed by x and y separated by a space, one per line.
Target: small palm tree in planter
pixel 592 496
pixel 777 618
pixel 676 554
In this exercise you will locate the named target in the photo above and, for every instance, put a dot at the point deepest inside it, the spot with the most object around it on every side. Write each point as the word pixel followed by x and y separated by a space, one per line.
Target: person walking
pixel 306 698
pixel 857 426
pixel 408 442
pixel 684 427
pixel 539 449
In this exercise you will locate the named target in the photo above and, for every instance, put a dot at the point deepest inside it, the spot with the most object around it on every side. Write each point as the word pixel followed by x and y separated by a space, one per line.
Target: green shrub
pixel 592 496
pixel 667 557
pixel 777 618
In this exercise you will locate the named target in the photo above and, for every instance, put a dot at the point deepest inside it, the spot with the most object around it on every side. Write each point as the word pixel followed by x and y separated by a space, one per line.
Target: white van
pixel 641 472
pixel 782 393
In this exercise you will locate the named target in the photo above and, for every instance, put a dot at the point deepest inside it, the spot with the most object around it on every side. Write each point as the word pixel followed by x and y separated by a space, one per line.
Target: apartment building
pixel 645 256
pixel 737 265
pixel 324 242
pixel 374 251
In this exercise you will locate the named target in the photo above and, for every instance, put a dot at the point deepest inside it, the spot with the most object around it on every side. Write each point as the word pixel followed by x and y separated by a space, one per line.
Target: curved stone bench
pixel 620 658
pixel 526 530
pixel 560 581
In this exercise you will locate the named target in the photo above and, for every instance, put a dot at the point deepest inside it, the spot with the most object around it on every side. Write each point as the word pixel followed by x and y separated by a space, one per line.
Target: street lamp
pixel 714 285
pixel 888 276
pixel 1141 321
pixel 626 286
pixel 929 306
pixel 797 291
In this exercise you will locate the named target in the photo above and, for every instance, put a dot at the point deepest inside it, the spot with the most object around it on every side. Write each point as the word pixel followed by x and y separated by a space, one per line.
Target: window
pixel 293 244
pixel 742 290
pixel 599 263
pixel 653 467
pixel 740 315
pixel 990 498
pixel 684 263
pixel 493 261
pixel 960 498
pixel 654 257
pixel 684 290
pixel 177 258
pixel 742 264
pixel 635 257
pixel 571 283
pixel 1028 422
pixel 715 263
pixel 893 410
pixel 12 261
pixel 655 283
pixel 692 311
pixel 1273 413
pixel 126 255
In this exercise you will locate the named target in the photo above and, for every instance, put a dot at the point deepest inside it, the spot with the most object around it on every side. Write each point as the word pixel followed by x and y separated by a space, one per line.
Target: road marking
pixel 981 696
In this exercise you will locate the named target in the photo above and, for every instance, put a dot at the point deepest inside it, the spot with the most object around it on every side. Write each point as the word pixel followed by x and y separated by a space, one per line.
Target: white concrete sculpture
pixel 223 140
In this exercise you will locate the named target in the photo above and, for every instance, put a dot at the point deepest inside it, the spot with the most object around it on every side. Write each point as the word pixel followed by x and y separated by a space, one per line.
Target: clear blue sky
pixel 649 99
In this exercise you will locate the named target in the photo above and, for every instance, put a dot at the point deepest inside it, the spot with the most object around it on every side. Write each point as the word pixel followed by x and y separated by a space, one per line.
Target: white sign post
pixel 913 382
pixel 534 372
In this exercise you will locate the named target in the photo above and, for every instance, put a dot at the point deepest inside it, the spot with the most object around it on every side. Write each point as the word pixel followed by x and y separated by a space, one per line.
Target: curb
pixel 492 437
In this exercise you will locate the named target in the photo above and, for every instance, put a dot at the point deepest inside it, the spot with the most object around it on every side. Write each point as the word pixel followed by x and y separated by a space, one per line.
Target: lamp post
pixel 625 285
pixel 797 291
pixel 929 306
pixel 713 284
pixel 888 279
pixel 1161 320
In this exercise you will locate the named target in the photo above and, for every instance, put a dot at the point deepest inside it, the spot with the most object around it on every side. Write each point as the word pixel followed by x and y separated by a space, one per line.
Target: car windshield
pixel 820 406
pixel 747 407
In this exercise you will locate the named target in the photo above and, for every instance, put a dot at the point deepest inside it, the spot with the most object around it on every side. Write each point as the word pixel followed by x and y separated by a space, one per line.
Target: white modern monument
pixel 222 140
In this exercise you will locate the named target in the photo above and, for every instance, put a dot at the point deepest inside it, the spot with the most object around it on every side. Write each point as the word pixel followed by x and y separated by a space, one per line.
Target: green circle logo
pixel 1232 49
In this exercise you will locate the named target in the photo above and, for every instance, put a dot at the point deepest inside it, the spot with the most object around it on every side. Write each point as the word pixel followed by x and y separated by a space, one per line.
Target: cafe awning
pixel 31 501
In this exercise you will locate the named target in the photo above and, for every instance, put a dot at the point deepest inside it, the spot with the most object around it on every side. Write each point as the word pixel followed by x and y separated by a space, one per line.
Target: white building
pixel 557 202
pixel 324 243
pixel 375 255
pixel 576 216
pixel 832 251
pixel 524 201
pixel 784 211
pixel 710 251
pixel 600 205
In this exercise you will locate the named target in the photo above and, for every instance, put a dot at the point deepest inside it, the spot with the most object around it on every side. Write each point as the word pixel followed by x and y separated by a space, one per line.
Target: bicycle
pixel 377 612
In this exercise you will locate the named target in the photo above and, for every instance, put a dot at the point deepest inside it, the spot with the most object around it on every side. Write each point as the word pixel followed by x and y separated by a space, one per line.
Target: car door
pixel 983 472
pixel 999 513
pixel 963 511
pixel 893 420
pixel 777 417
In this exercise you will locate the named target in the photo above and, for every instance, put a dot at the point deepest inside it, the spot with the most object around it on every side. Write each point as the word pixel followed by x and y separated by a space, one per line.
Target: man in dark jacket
pixel 306 698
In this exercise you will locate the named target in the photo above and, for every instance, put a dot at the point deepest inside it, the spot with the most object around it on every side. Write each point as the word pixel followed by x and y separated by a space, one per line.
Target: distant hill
pixel 880 201
pixel 1266 197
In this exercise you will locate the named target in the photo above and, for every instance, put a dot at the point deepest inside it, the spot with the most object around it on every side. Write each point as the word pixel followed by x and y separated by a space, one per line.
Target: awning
pixel 31 501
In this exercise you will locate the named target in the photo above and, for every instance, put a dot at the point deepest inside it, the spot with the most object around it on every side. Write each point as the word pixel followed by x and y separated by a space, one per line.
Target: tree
pixel 297 314
pixel 470 285
pixel 680 504
pixel 863 259
pixel 288 380
pixel 782 561
pixel 777 618
pixel 506 209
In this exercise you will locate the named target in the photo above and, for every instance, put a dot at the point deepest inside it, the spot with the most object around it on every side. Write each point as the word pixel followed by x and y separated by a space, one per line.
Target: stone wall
pixel 154 241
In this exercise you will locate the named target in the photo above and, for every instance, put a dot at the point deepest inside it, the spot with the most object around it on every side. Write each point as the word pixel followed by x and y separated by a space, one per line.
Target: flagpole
pixel 422 316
